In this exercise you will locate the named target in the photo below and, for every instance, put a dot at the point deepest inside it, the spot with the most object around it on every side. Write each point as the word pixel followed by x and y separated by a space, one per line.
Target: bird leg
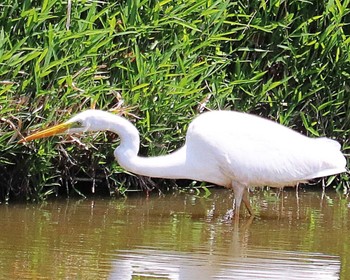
pixel 241 194
pixel 247 202
pixel 238 191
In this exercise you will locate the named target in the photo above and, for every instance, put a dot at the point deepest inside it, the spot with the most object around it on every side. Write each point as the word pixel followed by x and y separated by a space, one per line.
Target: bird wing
pixel 255 151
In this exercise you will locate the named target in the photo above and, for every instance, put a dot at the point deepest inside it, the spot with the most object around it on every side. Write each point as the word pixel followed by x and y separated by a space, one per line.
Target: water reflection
pixel 257 264
pixel 178 236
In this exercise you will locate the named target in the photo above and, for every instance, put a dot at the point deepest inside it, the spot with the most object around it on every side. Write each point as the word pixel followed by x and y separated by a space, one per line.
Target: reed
pixel 160 63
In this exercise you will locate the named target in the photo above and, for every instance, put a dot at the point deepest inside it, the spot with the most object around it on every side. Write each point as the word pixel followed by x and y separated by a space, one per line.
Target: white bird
pixel 227 148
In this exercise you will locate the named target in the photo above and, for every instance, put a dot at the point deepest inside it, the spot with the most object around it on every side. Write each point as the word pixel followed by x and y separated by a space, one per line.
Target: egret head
pixel 90 120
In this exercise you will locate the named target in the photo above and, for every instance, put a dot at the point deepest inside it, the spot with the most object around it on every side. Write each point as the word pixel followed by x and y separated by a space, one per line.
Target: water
pixel 178 236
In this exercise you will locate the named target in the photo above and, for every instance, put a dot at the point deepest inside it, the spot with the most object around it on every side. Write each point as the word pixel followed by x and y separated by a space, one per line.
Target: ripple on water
pixel 256 264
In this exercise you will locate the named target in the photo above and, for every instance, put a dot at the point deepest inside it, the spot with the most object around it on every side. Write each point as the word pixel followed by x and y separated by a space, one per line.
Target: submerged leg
pixel 238 191
pixel 247 202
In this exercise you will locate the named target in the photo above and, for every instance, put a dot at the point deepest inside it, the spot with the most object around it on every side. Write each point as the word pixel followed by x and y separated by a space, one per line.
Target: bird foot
pixel 230 215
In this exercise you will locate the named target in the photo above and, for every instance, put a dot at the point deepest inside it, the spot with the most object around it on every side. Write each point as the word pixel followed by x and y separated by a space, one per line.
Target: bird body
pixel 258 152
pixel 227 148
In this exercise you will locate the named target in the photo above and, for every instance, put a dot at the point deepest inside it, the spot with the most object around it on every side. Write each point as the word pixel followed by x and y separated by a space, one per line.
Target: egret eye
pixel 77 124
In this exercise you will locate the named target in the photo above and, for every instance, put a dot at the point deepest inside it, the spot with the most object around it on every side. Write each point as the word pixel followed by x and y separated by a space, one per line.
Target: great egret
pixel 227 148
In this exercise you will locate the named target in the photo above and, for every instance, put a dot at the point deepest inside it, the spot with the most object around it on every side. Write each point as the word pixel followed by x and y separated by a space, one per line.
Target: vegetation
pixel 159 63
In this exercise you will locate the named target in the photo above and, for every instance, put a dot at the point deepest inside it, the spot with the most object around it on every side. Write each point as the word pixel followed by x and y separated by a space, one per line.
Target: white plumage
pixel 227 148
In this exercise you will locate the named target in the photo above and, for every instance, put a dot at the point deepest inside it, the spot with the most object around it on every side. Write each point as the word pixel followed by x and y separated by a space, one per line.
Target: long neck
pixel 168 166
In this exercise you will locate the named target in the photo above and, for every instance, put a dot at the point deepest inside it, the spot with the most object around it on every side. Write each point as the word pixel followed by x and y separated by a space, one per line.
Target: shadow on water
pixel 178 236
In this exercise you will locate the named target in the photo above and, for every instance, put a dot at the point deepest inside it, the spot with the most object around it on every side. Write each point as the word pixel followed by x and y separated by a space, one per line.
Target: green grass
pixel 159 63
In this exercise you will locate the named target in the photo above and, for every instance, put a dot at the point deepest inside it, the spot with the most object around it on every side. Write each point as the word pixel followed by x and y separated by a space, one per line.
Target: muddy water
pixel 178 236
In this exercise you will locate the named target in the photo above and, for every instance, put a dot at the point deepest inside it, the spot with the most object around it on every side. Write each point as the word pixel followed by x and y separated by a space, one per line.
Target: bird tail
pixel 332 159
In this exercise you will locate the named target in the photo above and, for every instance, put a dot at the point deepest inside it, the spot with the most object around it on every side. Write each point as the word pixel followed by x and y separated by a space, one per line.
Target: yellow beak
pixel 47 132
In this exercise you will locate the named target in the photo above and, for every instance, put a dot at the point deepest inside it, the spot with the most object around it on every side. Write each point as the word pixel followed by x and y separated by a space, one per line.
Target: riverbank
pixel 159 64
